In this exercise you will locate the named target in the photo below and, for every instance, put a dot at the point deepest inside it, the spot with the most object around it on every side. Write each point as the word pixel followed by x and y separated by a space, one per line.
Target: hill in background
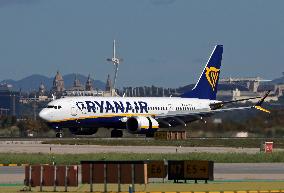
pixel 32 82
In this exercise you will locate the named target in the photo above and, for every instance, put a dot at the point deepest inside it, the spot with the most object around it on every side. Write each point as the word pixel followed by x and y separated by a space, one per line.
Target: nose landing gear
pixel 59 134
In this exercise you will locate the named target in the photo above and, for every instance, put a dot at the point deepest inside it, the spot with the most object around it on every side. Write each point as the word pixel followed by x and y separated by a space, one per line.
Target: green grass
pixel 192 142
pixel 22 158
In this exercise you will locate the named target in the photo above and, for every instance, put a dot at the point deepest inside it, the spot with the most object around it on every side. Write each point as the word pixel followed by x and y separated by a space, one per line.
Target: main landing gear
pixel 116 133
pixel 149 134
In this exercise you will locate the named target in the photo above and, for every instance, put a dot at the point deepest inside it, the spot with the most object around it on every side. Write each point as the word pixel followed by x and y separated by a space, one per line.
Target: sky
pixel 162 42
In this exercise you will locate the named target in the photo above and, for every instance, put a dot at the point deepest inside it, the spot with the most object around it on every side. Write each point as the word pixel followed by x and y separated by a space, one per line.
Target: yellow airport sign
pixel 156 169
pixel 196 169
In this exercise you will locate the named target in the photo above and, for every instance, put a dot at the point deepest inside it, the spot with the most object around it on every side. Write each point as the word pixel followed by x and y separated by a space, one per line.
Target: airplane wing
pixel 219 105
pixel 183 117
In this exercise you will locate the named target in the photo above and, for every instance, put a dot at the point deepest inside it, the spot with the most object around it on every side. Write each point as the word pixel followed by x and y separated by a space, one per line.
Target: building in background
pixel 58 84
pixel 9 100
pixel 79 90
pixel 89 84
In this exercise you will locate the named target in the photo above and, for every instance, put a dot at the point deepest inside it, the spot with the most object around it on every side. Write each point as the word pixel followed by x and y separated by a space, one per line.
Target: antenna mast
pixel 115 61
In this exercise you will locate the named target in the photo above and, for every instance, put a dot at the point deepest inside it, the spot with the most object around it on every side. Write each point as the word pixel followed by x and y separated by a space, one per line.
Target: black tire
pixel 59 135
pixel 116 133
pixel 149 134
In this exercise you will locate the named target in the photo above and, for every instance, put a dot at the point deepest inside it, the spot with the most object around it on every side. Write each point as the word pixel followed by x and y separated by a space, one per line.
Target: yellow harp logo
pixel 212 74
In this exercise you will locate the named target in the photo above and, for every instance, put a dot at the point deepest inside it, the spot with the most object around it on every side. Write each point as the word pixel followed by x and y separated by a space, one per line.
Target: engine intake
pixel 141 124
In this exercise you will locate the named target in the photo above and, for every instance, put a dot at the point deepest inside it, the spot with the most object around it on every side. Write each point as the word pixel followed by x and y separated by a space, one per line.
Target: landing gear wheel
pixel 59 135
pixel 116 133
pixel 149 134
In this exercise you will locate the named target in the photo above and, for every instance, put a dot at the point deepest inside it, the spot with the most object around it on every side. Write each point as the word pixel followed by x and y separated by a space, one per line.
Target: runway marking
pixel 240 191
pixel 12 165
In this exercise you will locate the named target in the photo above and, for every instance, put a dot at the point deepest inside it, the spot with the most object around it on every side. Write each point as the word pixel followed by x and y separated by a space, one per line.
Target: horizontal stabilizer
pixel 259 103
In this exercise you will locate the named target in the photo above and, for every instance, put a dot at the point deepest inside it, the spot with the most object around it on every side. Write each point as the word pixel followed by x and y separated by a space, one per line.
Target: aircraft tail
pixel 206 87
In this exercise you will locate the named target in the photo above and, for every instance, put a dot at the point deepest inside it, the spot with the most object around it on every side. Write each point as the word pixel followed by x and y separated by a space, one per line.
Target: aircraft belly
pixel 112 122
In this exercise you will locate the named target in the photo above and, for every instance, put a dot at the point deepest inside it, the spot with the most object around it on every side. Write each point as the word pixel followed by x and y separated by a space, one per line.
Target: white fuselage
pixel 83 107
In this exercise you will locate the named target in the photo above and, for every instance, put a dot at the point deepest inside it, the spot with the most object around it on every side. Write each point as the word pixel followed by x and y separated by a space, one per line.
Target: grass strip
pixel 39 158
pixel 192 142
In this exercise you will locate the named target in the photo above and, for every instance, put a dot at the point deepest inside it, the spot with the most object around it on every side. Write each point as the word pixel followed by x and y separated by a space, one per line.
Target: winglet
pixel 259 103
pixel 261 109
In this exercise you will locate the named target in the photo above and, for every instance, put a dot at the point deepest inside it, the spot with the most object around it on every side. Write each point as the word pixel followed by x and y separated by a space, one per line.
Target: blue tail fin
pixel 206 87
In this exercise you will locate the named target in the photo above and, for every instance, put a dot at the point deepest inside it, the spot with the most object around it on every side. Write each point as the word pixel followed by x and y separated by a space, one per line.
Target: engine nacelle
pixel 83 131
pixel 141 125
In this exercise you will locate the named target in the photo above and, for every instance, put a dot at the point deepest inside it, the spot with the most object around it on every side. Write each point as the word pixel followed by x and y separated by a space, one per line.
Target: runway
pixel 228 171
pixel 37 147
pixel 223 171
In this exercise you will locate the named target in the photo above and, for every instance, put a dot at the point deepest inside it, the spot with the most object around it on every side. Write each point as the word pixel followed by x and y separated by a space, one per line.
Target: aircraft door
pixel 170 107
pixel 74 109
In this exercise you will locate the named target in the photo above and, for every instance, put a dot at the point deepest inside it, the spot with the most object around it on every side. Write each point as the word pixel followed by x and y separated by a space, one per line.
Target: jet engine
pixel 83 131
pixel 141 124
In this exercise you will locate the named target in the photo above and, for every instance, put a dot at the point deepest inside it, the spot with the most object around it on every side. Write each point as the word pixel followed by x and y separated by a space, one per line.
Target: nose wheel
pixel 59 134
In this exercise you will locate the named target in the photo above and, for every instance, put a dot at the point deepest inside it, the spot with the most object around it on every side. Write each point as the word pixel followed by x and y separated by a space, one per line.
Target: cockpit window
pixel 54 107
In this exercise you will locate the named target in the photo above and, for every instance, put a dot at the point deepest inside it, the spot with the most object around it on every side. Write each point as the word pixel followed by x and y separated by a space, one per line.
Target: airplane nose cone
pixel 43 114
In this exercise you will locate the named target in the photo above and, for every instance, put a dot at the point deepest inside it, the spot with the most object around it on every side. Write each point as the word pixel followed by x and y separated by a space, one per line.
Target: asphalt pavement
pixel 37 147
pixel 222 171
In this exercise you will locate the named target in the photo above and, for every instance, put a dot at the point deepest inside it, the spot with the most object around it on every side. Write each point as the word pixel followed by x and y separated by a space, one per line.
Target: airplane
pixel 83 115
